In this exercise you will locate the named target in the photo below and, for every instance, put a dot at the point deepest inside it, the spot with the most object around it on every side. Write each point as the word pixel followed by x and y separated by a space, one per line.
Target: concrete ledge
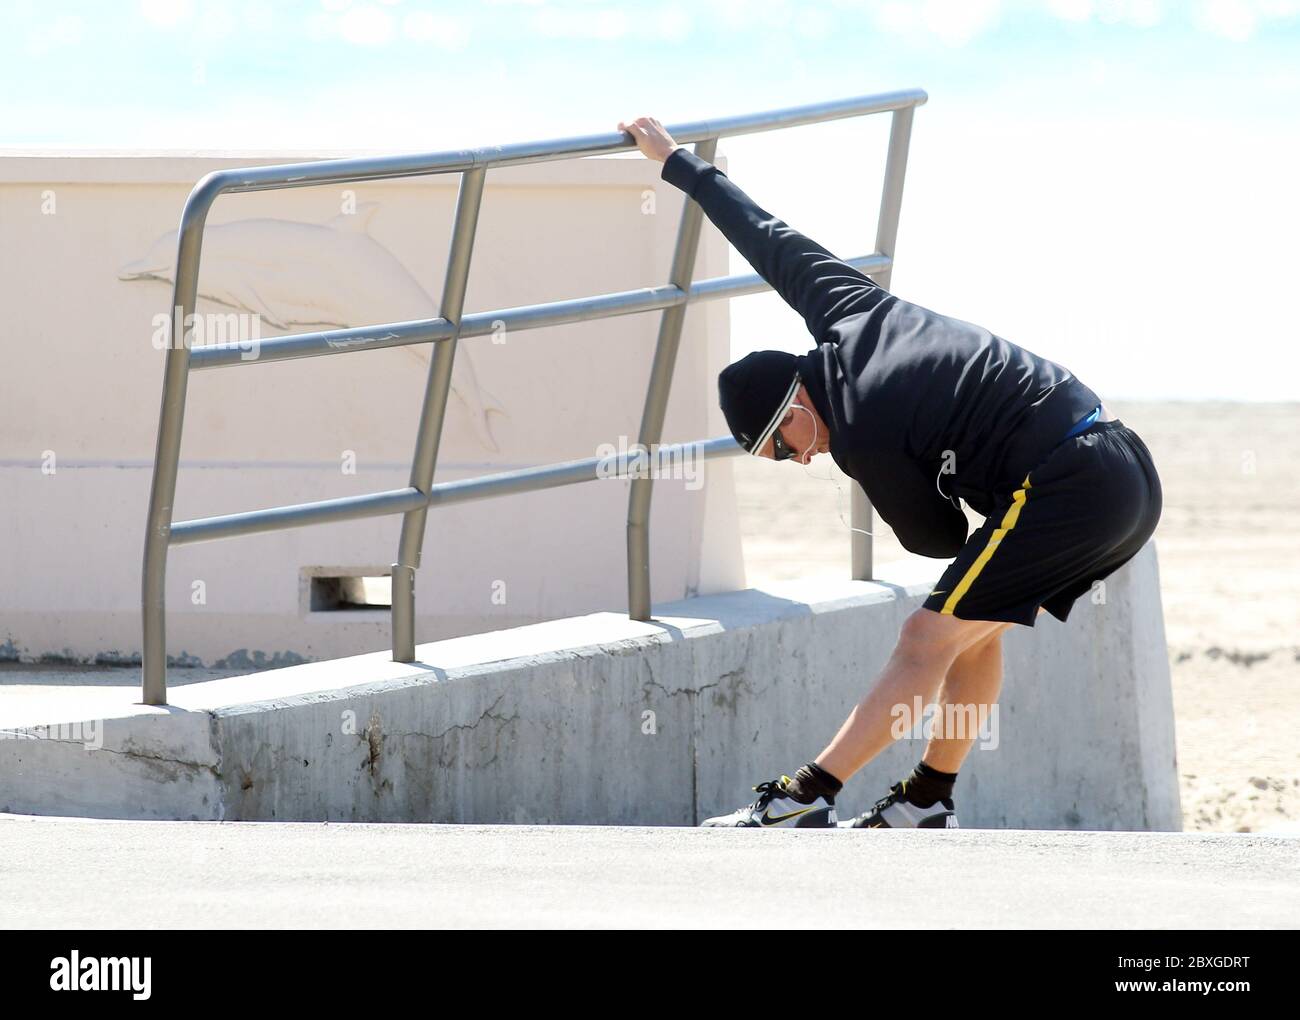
pixel 599 719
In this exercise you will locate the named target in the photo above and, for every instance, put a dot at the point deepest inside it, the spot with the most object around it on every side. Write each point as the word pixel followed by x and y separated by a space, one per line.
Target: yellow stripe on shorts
pixel 1008 522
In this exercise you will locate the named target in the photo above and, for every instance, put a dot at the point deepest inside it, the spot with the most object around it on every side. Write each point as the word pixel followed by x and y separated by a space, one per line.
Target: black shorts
pixel 1078 516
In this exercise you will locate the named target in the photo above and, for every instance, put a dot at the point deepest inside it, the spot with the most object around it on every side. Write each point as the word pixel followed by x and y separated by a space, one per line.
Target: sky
pixel 1110 183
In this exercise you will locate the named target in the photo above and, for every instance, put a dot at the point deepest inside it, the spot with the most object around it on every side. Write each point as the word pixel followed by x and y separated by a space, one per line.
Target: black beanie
pixel 754 394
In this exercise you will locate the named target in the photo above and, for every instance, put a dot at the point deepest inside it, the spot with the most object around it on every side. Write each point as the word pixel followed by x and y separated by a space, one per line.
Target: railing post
pixel 166 458
pixel 433 412
pixel 656 401
pixel 891 200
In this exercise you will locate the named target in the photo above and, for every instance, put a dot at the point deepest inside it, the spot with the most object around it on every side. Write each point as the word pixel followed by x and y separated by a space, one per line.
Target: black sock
pixel 812 781
pixel 926 785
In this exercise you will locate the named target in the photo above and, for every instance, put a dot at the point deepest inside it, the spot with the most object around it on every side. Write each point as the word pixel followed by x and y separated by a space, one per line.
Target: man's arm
pixel 906 498
pixel 811 280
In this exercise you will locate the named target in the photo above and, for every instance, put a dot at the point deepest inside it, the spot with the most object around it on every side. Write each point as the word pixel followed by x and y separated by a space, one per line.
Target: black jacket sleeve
pixel 925 522
pixel 809 278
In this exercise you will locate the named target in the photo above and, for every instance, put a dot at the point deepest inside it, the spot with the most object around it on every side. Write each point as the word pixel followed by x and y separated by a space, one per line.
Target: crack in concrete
pixel 488 713
pixel 160 759
pixel 440 737
pixel 737 675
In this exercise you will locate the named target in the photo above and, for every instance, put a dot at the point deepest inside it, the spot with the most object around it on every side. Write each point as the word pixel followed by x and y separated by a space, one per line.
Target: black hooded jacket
pixel 922 408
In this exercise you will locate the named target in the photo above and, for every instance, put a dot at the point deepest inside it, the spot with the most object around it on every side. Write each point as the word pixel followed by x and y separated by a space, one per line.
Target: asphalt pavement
pixel 81 873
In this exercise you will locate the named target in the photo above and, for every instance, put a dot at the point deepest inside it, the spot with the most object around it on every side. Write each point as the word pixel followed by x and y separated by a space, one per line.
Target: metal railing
pixel 414 501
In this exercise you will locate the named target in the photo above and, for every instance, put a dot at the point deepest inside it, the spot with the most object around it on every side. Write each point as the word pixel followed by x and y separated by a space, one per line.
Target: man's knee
pixel 981 645
pixel 939 637
pixel 932 637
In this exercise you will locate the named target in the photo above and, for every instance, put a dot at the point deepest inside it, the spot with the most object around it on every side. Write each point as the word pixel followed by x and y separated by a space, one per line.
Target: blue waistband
pixel 1085 421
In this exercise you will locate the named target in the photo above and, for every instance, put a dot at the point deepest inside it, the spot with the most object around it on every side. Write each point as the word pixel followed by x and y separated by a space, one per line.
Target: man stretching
pixel 922 410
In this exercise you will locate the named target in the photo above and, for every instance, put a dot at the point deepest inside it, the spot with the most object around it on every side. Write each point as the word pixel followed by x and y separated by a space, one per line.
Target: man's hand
pixel 650 137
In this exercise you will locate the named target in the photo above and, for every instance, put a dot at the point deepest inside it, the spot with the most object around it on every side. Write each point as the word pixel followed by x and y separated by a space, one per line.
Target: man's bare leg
pixel 927 647
pixel 971 687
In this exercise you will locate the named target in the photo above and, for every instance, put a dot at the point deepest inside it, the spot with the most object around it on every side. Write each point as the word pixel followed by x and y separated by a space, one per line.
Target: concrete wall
pixel 85 268
pixel 599 719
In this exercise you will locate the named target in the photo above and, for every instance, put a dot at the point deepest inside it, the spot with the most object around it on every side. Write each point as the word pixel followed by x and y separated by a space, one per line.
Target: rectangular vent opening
pixel 333 593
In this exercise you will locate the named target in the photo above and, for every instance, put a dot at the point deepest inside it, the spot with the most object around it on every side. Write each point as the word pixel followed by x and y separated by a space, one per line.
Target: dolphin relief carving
pixel 334 274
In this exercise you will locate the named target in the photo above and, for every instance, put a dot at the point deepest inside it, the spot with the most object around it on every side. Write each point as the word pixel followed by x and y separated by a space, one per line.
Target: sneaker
pixel 895 811
pixel 775 807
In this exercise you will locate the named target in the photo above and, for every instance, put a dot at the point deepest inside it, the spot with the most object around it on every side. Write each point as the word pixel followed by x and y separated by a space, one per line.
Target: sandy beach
pixel 1229 548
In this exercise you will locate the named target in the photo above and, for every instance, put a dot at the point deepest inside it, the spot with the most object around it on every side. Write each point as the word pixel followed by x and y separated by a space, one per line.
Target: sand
pixel 1229 549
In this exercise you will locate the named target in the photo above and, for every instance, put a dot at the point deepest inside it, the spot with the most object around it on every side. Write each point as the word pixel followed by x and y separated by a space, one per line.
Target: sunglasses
pixel 780 451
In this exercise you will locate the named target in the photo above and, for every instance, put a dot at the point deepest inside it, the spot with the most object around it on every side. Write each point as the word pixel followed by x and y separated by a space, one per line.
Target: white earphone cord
pixel 829 478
